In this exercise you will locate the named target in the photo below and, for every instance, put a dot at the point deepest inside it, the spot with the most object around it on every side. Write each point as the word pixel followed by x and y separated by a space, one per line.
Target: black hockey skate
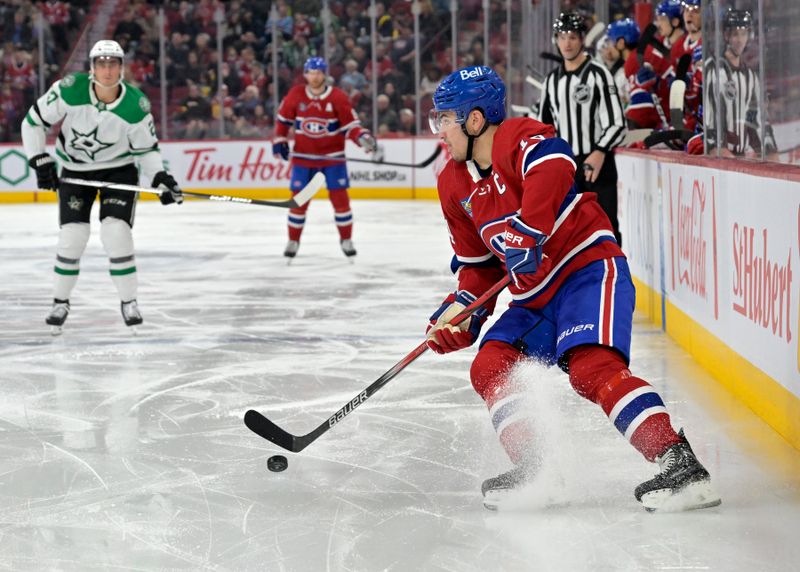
pixel 496 489
pixel 58 315
pixel 291 250
pixel 130 313
pixel 348 248
pixel 682 484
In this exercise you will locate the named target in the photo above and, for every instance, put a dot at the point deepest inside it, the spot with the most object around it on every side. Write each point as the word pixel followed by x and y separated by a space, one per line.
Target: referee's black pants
pixel 605 186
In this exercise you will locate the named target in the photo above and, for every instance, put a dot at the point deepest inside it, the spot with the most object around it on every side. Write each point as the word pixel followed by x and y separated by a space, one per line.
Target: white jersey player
pixel 107 129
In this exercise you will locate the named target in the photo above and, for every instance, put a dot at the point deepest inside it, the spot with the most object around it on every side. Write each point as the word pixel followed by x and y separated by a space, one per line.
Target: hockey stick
pixel 635 135
pixel 265 428
pixel 594 34
pixel 422 165
pixel 677 92
pixel 299 199
pixel 673 138
pixel 550 56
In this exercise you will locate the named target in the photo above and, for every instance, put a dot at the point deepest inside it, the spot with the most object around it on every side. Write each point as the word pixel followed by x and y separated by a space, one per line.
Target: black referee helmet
pixel 570 22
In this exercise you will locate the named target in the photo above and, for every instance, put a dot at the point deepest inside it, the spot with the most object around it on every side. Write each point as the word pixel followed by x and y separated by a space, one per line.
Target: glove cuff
pixel 40 160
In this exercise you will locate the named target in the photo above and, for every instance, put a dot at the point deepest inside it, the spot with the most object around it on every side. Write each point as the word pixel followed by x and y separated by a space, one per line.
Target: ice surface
pixel 128 452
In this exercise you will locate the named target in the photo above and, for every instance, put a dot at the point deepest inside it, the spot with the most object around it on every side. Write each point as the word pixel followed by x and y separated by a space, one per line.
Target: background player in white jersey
pixel 107 129
pixel 322 118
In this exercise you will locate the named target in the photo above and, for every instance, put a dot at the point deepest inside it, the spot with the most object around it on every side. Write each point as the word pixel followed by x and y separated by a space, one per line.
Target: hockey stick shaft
pixel 265 428
pixel 422 165
pixel 299 199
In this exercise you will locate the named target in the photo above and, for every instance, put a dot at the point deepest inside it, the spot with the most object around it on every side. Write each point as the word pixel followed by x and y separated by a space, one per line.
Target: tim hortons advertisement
pixel 639 217
pixel 230 165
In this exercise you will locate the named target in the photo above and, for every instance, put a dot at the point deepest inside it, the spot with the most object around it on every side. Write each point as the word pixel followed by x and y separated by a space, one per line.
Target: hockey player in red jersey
pixel 322 118
pixel 510 202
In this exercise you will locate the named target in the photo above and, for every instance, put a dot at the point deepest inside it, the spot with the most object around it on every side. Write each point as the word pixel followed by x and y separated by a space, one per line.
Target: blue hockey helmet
pixel 690 4
pixel 315 63
pixel 627 29
pixel 474 87
pixel 669 8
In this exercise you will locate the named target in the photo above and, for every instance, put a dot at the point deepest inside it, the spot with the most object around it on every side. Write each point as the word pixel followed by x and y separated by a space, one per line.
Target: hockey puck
pixel 277 463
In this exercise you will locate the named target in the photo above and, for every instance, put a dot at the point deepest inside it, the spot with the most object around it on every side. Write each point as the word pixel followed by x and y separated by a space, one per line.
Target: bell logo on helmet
pixel 470 73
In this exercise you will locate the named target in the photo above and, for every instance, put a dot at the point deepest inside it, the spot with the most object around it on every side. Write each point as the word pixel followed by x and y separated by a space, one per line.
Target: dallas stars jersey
pixel 94 135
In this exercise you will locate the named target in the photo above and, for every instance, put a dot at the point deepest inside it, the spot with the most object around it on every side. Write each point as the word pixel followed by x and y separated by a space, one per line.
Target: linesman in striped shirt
pixel 580 99
pixel 733 116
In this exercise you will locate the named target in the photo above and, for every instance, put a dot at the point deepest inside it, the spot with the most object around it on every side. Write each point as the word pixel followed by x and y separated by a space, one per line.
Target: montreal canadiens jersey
pixel 532 175
pixel 320 123
pixel 94 135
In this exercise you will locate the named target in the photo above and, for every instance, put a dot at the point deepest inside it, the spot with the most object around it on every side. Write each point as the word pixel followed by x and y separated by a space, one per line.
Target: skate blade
pixel 56 330
pixel 134 329
pixel 692 497
pixel 494 500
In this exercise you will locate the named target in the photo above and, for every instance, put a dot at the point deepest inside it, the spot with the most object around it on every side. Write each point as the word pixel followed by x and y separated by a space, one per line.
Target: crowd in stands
pixel 19 52
pixel 194 100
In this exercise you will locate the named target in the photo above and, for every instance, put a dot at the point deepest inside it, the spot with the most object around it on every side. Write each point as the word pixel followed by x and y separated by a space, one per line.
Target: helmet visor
pixel 441 120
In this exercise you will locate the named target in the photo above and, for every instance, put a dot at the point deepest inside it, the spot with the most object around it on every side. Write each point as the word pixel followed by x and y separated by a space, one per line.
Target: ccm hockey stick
pixel 422 165
pixel 299 199
pixel 265 428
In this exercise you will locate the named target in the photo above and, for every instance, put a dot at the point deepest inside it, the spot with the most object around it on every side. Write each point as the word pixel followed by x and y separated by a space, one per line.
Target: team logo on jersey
pixel 68 81
pixel 75 203
pixel 492 235
pixel 88 143
pixel 314 127
pixel 144 104
pixel 729 89
pixel 302 107
pixel 467 204
pixel 582 93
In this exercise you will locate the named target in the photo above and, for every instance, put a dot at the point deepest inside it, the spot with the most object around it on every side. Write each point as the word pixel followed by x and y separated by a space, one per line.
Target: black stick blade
pixel 265 428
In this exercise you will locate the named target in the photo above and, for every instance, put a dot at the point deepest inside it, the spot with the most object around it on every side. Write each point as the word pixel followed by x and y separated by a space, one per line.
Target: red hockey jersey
pixel 532 174
pixel 320 123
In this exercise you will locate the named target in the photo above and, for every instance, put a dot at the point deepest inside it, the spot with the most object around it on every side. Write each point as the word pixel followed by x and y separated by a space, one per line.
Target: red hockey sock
pixel 490 378
pixel 296 222
pixel 342 213
pixel 600 374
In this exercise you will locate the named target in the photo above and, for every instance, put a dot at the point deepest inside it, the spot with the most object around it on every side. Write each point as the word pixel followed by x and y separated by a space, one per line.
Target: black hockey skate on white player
pixel 131 313
pixel 348 248
pixel 496 489
pixel 682 484
pixel 57 316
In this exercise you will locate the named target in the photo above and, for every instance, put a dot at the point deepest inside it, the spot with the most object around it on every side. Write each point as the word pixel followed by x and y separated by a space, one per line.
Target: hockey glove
pixel 523 251
pixel 646 77
pixel 444 338
pixel 170 191
pixel 280 149
pixel 46 174
pixel 367 142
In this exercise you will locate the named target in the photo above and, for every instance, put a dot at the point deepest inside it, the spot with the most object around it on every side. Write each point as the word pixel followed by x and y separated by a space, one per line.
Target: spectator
pixel 129 30
pixel 195 106
pixel 284 23
pixel 408 124
pixel 386 115
pixel 352 76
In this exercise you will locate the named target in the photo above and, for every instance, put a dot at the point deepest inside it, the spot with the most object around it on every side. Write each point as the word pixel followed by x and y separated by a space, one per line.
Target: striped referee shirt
pixel 584 107
pixel 737 90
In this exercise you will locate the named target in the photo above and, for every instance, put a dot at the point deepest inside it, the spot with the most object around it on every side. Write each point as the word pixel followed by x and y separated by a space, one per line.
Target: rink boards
pixel 713 246
pixel 247 168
